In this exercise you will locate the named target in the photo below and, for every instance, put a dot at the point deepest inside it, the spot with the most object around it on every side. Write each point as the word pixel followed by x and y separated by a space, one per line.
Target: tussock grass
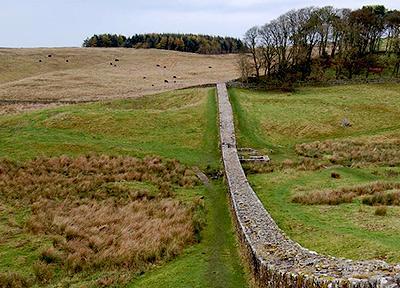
pixel 96 220
pixel 381 211
pixel 376 193
pixel 94 235
pixel 354 152
pixel 13 280
pixel 87 177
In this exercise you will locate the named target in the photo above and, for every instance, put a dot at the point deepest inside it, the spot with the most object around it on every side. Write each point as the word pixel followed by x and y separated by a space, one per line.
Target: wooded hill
pixel 202 44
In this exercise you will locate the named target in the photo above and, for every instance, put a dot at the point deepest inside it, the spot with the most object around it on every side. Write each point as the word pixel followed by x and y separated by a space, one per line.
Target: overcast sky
pixel 60 23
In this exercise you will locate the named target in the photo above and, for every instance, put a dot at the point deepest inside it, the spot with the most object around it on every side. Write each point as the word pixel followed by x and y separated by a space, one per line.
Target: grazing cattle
pixel 67 60
pixel 116 60
pixel 40 61
pixel 174 77
pixel 209 67
pixel 144 77
pixel 166 81
pixel 174 81
pixel 152 85
pixel 158 65
pixel 335 175
pixel 49 55
pixel 111 63
pixel 165 67
pixel 115 65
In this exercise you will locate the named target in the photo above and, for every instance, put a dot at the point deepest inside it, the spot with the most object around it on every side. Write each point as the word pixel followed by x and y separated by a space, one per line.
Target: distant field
pixel 326 182
pixel 115 221
pixel 94 73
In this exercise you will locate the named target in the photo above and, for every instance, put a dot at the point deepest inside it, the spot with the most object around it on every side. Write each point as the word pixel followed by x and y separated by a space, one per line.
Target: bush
pixel 381 211
pixel 43 272
pixel 50 256
pixel 13 280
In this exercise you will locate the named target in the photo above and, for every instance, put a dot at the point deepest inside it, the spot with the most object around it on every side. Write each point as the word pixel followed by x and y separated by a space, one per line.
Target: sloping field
pixel 119 210
pixel 333 189
pixel 85 74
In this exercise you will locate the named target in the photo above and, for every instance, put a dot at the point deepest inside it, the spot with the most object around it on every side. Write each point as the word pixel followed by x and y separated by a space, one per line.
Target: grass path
pixel 212 263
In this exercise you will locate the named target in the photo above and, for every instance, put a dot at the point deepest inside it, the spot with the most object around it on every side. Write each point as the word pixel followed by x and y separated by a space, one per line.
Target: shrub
pixel 381 211
pixel 50 256
pixel 43 272
pixel 13 280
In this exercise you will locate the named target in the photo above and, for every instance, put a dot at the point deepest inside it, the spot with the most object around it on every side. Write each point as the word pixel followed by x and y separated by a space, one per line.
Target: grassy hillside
pixel 173 125
pixel 76 193
pixel 94 73
pixel 322 185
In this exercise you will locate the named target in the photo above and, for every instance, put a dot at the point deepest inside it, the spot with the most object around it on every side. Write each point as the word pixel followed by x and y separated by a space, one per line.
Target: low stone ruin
pixel 252 155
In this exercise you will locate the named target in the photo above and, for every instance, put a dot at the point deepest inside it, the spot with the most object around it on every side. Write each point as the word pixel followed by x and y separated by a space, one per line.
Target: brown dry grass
pixel 89 76
pixel 381 211
pixel 378 193
pixel 358 153
pixel 97 220
pixel 13 280
pixel 102 234
pixel 23 107
pixel 89 177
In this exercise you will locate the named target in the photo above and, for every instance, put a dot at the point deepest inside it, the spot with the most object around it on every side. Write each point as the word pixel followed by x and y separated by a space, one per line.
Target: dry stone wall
pixel 274 259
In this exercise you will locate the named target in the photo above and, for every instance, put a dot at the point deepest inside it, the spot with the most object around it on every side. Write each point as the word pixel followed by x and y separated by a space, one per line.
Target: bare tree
pixel 268 50
pixel 252 42
pixel 245 67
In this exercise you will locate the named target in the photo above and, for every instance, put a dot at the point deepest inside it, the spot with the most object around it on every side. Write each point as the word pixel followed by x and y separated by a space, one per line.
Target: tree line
pixel 305 43
pixel 202 44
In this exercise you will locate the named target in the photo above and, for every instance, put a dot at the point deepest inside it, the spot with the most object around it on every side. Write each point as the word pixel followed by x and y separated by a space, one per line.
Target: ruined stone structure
pixel 275 260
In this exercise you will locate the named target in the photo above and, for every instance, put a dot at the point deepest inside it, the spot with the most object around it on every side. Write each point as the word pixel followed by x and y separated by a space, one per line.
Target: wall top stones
pixel 279 261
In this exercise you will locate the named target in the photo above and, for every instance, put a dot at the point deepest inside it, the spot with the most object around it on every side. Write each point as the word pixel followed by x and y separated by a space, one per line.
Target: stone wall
pixel 275 260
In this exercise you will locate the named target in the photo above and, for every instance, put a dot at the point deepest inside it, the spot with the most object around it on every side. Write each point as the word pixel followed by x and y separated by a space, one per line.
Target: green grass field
pixel 213 263
pixel 178 125
pixel 276 123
